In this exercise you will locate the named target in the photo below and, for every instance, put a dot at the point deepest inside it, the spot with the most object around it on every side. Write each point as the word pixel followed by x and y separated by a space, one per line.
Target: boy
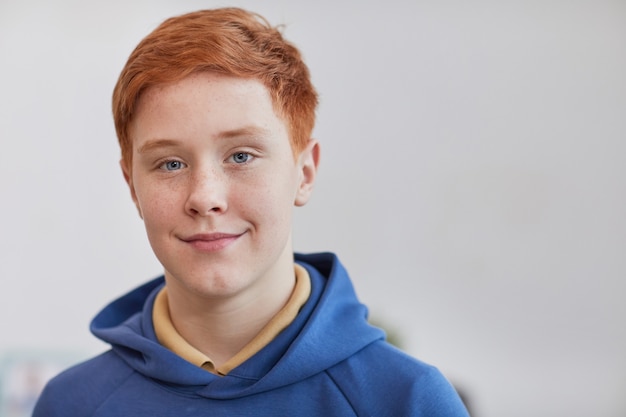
pixel 214 112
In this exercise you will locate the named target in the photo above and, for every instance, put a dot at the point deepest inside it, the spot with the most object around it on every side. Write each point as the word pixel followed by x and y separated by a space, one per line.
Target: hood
pixel 331 327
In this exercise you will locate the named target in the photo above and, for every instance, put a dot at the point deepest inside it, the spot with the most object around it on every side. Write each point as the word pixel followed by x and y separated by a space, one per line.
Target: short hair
pixel 228 41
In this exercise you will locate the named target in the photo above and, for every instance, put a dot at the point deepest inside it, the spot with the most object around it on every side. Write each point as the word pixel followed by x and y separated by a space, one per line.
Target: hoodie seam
pixel 110 394
pixel 340 389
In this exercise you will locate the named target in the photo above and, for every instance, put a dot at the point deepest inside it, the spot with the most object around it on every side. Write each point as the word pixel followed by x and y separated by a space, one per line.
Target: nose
pixel 206 193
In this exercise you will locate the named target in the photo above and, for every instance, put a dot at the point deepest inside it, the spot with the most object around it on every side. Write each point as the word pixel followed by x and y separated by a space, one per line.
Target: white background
pixel 473 181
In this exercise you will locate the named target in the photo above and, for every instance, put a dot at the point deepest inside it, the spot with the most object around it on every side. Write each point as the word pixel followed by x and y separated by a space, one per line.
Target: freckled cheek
pixel 266 205
pixel 157 208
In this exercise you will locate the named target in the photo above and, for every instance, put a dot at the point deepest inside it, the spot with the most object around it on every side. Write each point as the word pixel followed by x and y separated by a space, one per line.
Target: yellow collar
pixel 169 337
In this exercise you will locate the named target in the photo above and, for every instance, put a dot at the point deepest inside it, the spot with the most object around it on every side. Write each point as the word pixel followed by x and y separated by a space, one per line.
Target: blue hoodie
pixel 328 362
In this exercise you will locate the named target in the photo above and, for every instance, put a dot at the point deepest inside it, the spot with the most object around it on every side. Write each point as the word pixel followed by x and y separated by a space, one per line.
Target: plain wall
pixel 472 180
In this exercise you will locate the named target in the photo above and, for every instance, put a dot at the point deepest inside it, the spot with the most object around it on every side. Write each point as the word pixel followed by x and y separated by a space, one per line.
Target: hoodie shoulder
pixel 81 389
pixel 381 380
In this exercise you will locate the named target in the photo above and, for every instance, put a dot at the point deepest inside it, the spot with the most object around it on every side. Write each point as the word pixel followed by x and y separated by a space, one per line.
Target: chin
pixel 214 285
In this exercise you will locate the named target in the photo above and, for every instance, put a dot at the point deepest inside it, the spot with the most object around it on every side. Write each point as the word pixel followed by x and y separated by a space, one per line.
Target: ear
pixel 129 180
pixel 308 160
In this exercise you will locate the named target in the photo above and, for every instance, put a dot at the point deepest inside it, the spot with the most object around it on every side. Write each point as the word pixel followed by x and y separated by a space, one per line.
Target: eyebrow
pixel 244 131
pixel 156 144
pixel 228 134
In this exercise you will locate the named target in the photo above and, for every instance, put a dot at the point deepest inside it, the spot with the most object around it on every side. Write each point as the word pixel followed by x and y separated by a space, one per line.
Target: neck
pixel 220 327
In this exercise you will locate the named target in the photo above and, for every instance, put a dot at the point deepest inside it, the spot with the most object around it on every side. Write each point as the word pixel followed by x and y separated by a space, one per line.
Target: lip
pixel 211 242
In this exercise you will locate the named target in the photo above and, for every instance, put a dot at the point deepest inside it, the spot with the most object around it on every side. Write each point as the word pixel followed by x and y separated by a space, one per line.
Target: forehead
pixel 204 100
pixel 203 87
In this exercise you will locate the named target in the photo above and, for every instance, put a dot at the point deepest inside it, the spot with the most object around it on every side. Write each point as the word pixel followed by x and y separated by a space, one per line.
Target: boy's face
pixel 214 179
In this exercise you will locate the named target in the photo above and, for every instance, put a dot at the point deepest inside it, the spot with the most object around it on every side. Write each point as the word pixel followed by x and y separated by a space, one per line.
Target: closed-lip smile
pixel 211 242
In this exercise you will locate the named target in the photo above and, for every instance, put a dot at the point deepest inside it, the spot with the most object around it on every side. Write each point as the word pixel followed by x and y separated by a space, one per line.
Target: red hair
pixel 227 41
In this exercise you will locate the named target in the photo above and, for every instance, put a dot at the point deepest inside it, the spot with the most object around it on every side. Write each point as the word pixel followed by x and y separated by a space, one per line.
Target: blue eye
pixel 241 157
pixel 172 165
